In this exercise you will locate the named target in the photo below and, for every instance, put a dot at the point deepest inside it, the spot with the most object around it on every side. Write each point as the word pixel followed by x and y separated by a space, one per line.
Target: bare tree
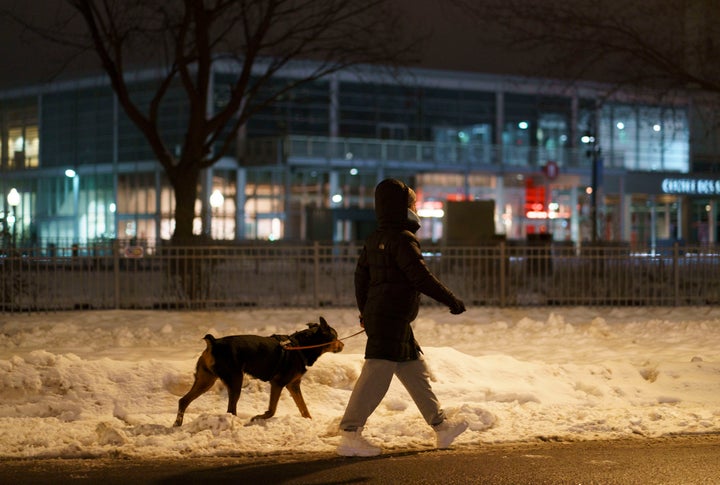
pixel 665 44
pixel 184 38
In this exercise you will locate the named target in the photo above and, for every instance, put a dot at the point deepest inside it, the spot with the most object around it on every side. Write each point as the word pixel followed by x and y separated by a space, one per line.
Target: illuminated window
pixel 32 147
pixel 23 147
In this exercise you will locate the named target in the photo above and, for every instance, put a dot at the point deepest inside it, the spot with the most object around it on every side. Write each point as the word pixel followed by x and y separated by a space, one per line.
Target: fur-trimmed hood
pixel 392 200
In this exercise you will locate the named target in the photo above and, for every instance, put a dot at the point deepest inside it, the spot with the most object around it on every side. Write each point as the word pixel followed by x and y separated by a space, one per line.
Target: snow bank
pixel 82 384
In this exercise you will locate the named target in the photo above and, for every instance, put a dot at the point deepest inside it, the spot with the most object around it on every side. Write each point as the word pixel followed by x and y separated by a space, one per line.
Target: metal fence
pixel 116 276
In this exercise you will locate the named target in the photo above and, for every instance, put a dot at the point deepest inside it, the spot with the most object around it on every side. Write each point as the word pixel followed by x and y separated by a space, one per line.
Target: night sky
pixel 455 43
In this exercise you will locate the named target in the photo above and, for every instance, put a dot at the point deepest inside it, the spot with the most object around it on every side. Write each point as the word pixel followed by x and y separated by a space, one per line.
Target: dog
pixel 280 359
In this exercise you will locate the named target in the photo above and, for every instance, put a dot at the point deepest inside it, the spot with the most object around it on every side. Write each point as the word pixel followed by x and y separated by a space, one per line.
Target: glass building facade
pixel 307 165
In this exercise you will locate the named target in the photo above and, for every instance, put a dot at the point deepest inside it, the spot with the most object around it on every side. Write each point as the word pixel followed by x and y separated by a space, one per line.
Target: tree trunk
pixel 183 269
pixel 185 184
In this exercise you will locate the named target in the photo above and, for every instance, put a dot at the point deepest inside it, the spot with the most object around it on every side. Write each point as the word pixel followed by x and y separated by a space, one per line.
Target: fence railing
pixel 413 154
pixel 316 275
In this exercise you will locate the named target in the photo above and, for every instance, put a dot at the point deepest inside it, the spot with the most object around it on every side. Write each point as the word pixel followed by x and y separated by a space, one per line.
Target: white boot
pixel 447 431
pixel 352 443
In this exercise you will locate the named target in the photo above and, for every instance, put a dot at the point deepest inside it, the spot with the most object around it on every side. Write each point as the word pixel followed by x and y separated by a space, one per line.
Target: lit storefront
pixel 466 138
pixel 662 208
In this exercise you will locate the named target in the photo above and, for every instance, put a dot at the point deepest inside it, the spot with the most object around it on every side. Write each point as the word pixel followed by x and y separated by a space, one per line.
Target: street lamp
pixel 13 199
pixel 73 175
pixel 594 155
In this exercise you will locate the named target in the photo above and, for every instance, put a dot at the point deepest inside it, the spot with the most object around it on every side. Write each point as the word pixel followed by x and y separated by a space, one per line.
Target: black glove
pixel 457 308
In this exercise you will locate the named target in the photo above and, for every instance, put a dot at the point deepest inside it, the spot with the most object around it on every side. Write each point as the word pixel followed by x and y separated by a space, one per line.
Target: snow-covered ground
pixel 106 383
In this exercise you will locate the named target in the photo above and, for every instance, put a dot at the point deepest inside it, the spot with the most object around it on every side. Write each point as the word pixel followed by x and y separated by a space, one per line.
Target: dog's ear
pixel 323 322
pixel 313 325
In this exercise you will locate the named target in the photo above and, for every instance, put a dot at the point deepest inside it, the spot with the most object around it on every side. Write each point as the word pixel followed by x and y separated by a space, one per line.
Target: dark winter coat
pixel 390 276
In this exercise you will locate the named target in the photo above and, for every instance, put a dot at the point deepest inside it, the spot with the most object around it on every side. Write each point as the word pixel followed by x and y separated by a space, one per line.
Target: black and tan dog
pixel 276 359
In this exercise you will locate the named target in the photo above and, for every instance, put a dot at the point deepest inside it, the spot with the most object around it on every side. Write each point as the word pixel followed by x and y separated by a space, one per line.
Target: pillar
pixel 205 209
pixel 500 205
pixel 240 200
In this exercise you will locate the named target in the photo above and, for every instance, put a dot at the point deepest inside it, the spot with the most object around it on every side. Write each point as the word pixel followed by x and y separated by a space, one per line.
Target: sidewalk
pixel 672 460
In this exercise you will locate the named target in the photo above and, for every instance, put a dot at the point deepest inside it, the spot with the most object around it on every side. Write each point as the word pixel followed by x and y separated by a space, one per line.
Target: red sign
pixel 534 201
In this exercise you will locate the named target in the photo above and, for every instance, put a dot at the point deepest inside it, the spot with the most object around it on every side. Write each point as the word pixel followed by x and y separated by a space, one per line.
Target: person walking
pixel 390 275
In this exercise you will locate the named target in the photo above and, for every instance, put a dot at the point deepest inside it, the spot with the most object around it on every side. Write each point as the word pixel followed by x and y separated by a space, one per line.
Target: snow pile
pixel 83 384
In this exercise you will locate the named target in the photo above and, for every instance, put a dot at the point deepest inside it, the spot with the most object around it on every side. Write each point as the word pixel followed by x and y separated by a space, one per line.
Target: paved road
pixel 674 460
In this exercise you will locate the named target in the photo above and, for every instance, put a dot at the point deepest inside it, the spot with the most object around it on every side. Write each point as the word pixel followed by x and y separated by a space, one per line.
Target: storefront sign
pixel 688 186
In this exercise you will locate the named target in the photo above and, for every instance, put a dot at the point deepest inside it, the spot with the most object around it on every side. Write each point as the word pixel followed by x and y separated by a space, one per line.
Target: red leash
pixel 325 344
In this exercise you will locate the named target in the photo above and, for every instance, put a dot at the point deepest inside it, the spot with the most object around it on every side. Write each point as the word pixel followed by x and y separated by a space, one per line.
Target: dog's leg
pixel 234 387
pixel 275 390
pixel 204 380
pixel 294 389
